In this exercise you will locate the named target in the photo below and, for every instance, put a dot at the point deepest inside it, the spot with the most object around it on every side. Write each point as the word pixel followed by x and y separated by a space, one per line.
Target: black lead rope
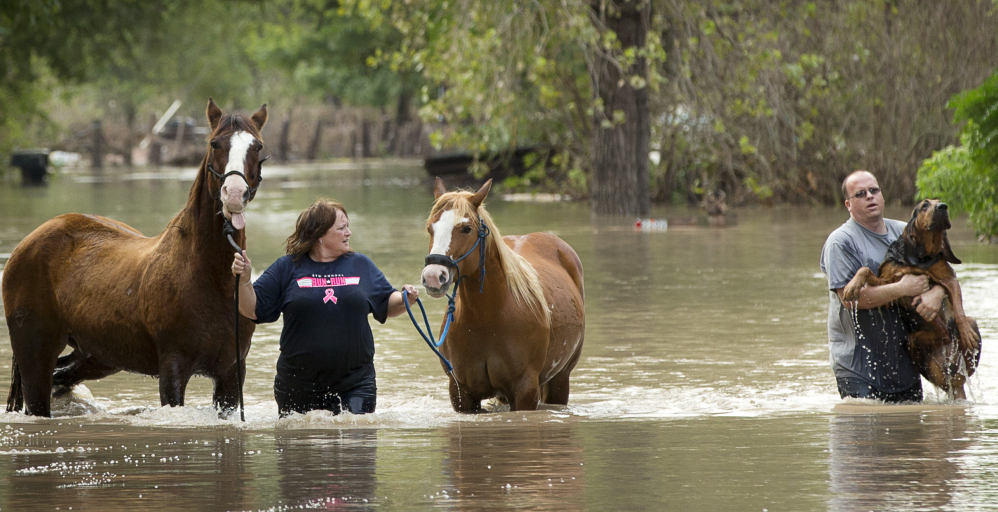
pixel 228 230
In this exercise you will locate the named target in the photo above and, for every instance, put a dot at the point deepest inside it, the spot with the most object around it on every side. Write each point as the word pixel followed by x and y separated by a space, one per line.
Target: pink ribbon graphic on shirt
pixel 329 296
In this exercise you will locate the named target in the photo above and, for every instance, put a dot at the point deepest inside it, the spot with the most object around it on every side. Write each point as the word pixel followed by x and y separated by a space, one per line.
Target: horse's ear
pixel 438 188
pixel 948 251
pixel 479 196
pixel 214 114
pixel 260 117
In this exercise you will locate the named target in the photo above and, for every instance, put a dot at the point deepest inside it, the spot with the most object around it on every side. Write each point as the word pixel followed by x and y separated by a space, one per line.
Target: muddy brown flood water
pixel 703 385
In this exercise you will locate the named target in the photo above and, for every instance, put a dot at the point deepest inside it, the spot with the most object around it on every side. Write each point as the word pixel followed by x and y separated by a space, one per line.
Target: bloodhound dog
pixel 946 350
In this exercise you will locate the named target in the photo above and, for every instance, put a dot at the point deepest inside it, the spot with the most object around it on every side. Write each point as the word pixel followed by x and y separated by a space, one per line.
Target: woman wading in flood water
pixel 325 291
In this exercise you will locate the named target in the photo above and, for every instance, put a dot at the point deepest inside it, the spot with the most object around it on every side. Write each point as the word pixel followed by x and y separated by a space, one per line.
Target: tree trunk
pixel 284 142
pixel 97 145
pixel 130 137
pixel 620 183
pixel 365 138
pixel 313 147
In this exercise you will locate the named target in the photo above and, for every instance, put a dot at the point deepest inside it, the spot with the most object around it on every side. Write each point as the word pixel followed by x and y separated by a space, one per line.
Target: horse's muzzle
pixel 436 279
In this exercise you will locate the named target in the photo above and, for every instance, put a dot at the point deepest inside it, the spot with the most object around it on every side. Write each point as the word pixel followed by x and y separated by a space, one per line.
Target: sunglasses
pixel 860 194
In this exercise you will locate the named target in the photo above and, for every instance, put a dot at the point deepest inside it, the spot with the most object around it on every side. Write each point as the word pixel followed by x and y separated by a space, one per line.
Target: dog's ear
pixel 910 231
pixel 948 251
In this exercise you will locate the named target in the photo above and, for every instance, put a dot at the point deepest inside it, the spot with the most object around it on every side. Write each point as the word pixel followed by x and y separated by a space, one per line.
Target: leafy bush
pixel 966 176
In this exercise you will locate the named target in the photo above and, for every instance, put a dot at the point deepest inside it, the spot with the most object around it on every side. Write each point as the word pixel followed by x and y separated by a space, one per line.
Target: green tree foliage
pixel 123 55
pixel 332 54
pixel 70 40
pixel 508 73
pixel 768 101
pixel 781 100
pixel 966 176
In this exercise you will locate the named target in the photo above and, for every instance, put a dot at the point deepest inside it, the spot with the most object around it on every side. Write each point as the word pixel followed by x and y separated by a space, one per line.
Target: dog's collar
pixel 924 263
pixel 905 253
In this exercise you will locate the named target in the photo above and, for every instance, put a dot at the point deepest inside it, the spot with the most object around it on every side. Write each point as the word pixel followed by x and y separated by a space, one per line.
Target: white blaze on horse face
pixel 443 228
pixel 436 277
pixel 234 187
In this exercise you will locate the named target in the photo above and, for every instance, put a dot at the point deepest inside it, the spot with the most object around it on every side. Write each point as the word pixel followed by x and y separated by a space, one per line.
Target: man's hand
pixel 911 285
pixel 929 303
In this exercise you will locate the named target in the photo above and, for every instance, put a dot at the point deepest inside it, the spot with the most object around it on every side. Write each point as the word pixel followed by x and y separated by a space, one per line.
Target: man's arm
pixel 875 296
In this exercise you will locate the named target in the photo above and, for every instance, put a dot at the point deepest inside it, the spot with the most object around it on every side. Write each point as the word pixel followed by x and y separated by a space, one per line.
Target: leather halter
pixel 221 177
pixel 443 259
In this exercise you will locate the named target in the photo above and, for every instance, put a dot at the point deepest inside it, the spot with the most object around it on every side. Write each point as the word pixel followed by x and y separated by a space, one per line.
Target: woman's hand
pixel 413 293
pixel 396 305
pixel 242 266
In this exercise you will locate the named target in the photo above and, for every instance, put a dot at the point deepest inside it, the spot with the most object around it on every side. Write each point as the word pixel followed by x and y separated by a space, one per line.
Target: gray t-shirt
pixel 867 344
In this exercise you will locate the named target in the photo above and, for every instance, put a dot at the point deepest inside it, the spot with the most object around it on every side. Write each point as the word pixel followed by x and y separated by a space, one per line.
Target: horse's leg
pixel 227 386
pixel 174 373
pixel 77 367
pixel 555 392
pixel 36 344
pixel 462 401
pixel 526 394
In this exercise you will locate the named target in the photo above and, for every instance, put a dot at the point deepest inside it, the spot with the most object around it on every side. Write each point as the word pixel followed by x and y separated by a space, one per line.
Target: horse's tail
pixel 15 399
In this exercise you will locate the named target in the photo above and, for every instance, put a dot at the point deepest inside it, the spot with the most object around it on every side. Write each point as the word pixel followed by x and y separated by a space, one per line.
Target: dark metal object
pixel 34 164
pixel 501 166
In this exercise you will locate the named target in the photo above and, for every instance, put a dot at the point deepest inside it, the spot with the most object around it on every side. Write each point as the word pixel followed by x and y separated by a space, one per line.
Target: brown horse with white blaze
pixel 518 329
pixel 159 306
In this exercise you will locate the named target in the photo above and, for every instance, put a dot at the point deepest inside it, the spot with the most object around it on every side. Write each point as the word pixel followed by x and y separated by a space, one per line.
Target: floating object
pixel 651 225
pixel 501 165
pixel 34 164
pixel 536 198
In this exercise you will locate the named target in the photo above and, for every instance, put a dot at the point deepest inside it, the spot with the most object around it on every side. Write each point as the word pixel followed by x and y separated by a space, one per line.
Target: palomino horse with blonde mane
pixel 159 306
pixel 519 323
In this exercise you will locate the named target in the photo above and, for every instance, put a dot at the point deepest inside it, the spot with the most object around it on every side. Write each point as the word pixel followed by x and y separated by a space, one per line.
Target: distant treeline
pixel 787 98
pixel 763 100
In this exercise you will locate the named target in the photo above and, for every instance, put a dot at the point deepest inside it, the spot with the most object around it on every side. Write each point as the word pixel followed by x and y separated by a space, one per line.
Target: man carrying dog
pixel 867 338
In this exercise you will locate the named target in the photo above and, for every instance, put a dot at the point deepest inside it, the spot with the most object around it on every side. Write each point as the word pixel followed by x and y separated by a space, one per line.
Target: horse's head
pixel 455 224
pixel 234 159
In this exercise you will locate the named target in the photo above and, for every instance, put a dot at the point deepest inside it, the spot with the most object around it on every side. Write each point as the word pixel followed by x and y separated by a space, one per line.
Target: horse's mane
pixel 521 276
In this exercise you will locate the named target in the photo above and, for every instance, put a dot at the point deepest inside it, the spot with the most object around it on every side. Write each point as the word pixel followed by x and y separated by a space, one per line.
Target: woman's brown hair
pixel 311 225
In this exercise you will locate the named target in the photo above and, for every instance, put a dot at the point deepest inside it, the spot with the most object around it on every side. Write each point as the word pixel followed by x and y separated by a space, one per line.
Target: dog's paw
pixel 851 292
pixel 969 338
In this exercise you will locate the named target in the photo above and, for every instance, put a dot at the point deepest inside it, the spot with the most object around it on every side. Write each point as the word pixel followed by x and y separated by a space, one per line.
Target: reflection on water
pixel 704 381
pixel 895 459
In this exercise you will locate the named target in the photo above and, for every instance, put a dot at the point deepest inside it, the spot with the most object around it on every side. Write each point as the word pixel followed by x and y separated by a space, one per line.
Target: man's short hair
pixel 844 191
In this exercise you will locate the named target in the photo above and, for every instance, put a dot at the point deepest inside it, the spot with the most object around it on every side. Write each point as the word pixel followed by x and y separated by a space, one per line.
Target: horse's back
pixel 55 251
pixel 548 253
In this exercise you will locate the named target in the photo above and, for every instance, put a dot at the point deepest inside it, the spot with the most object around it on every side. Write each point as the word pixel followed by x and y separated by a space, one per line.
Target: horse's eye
pixel 215 144
pixel 466 229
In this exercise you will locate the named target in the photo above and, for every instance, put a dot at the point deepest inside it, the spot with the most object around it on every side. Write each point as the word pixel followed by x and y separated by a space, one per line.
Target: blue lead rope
pixel 440 259
pixel 428 335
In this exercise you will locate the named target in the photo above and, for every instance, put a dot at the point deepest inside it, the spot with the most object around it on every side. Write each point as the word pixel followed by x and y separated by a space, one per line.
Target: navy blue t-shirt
pixel 326 334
